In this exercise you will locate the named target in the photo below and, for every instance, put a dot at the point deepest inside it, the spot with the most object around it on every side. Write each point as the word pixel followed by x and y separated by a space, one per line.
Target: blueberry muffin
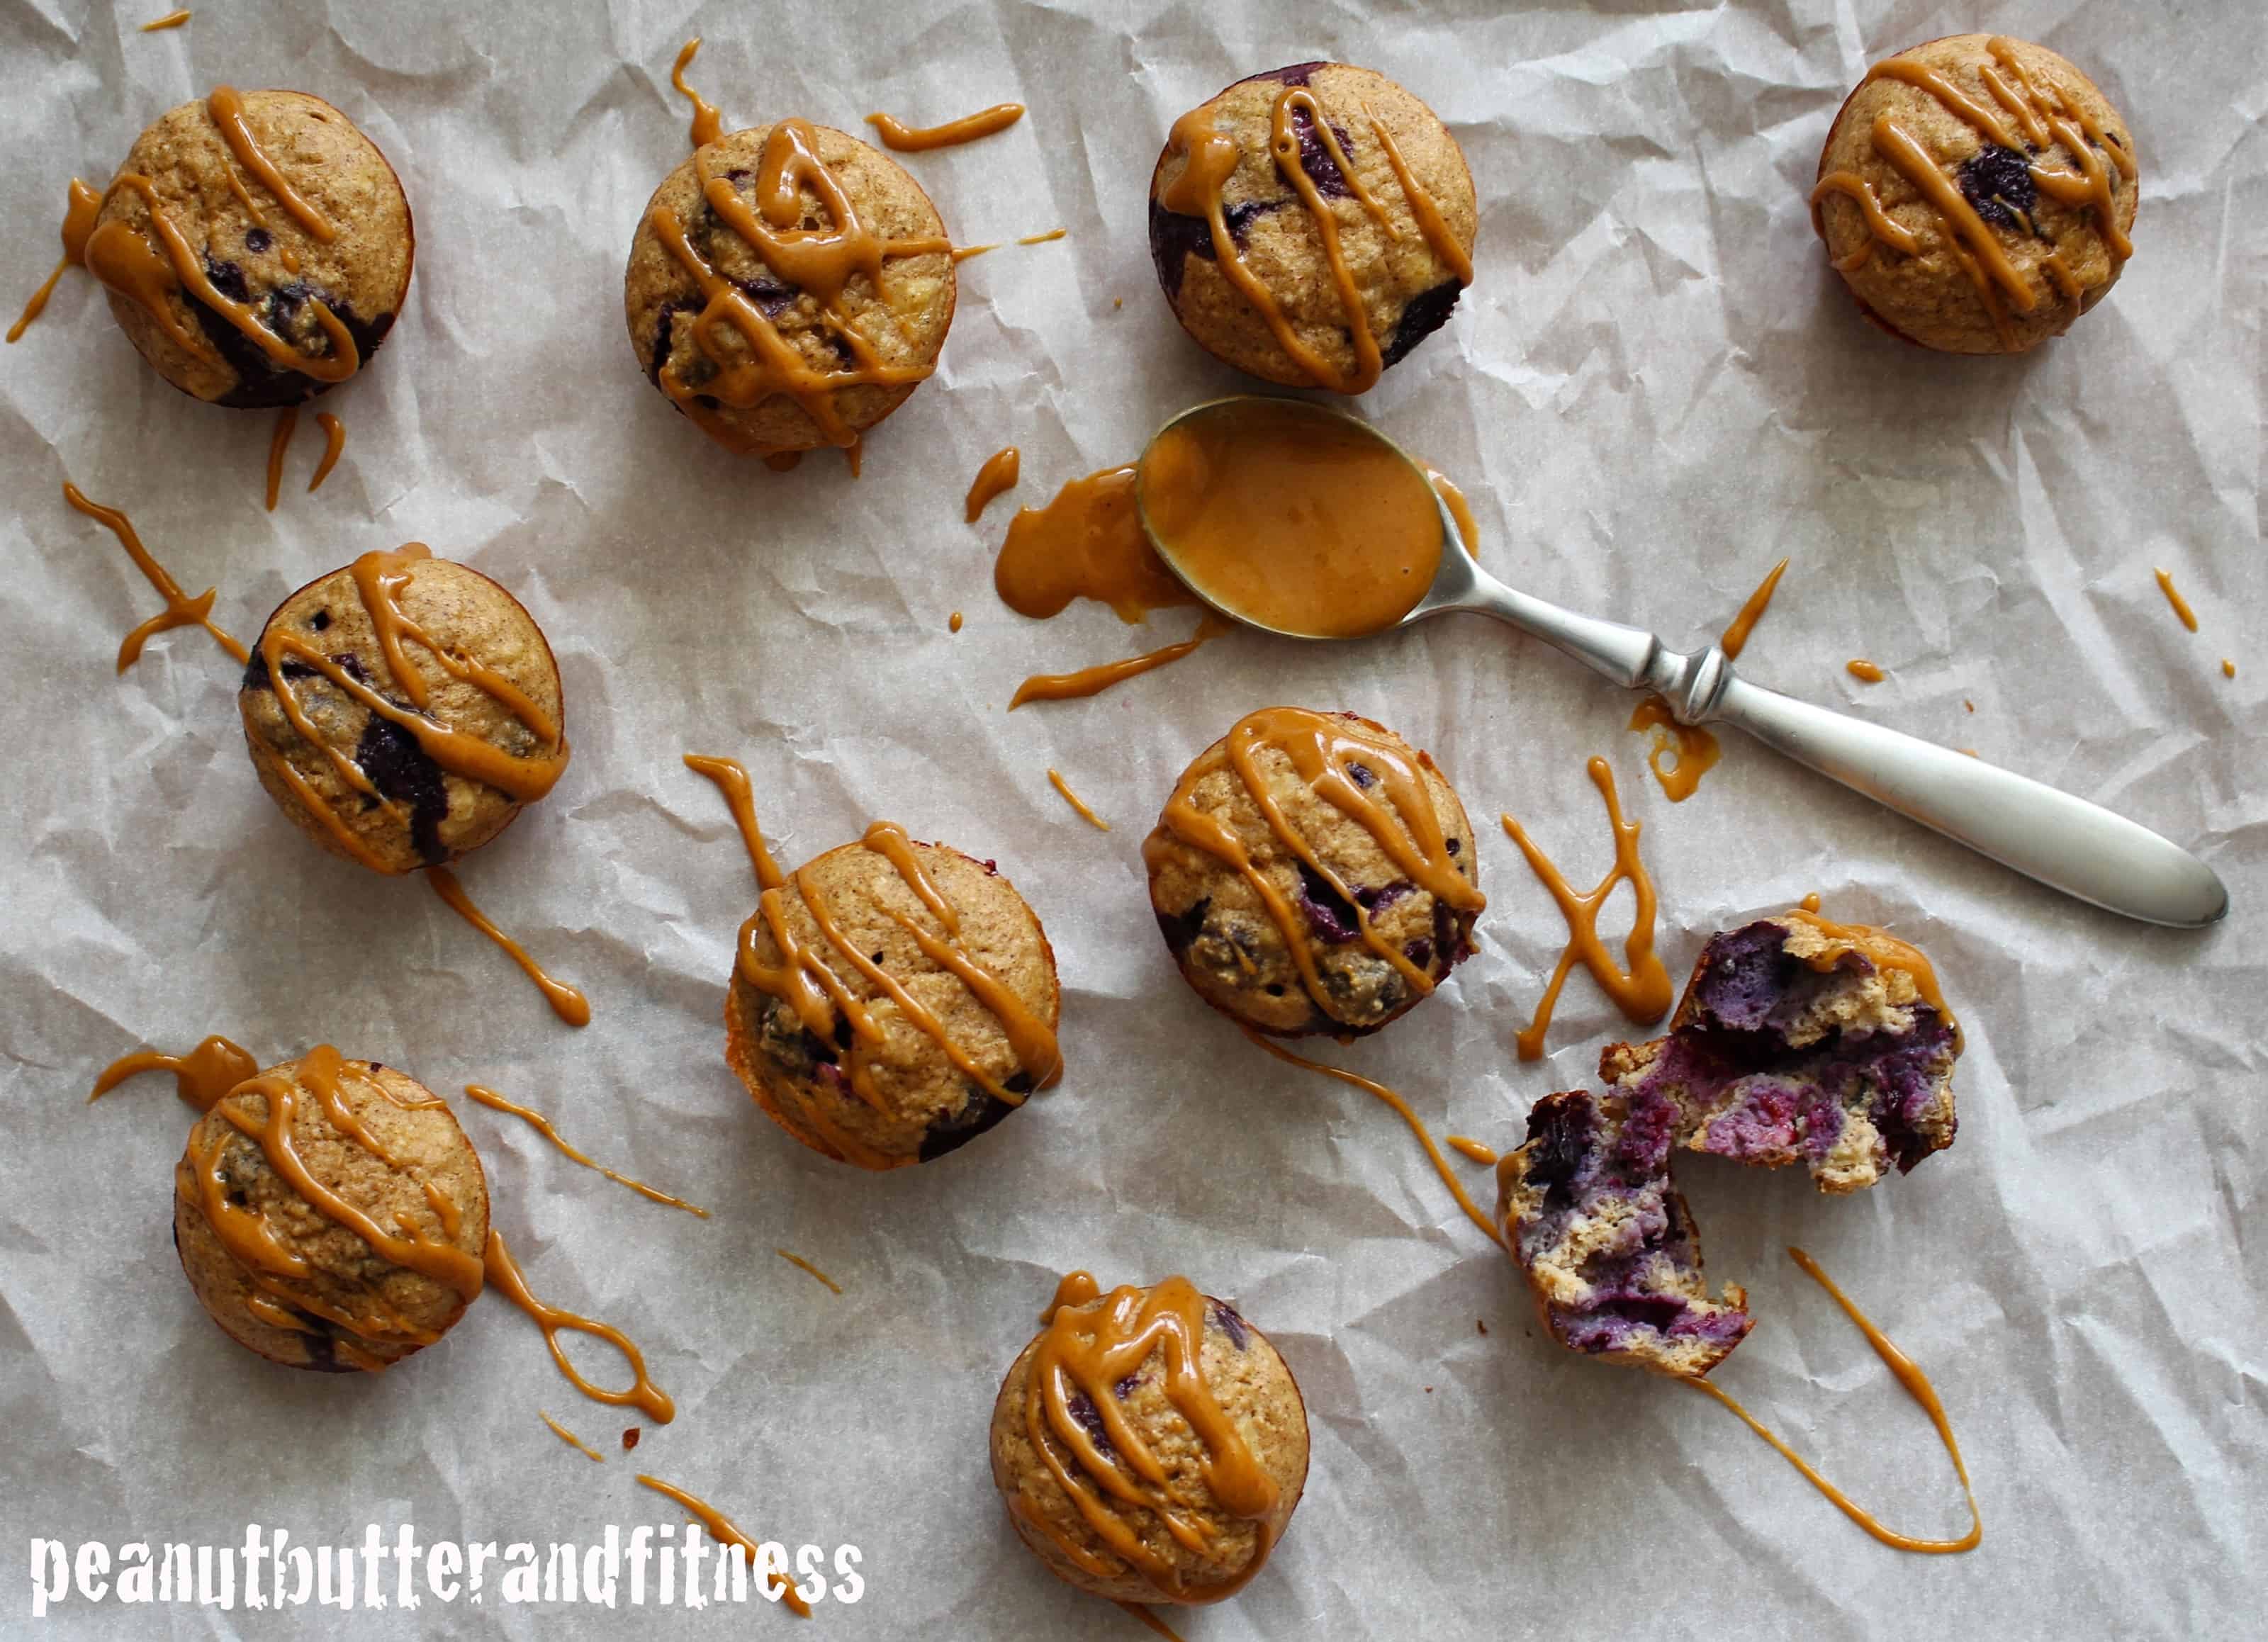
pixel 1314 873
pixel 1976 194
pixel 330 1214
pixel 891 1001
pixel 786 321
pixel 403 710
pixel 256 247
pixel 1803 1041
pixel 1604 1237
pixel 1313 224
pixel 1150 1443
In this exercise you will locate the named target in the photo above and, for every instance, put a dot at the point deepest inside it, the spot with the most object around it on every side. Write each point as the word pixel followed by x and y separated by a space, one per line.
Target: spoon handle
pixel 2064 842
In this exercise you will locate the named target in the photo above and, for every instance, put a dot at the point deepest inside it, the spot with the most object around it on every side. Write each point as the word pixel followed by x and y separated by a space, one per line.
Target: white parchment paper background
pixel 1654 390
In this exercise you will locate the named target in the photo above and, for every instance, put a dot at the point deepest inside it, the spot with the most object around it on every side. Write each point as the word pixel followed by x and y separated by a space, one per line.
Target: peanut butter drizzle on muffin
pixel 2046 113
pixel 1698 750
pixel 335 440
pixel 542 1124
pixel 1916 1385
pixel 1881 948
pixel 1641 991
pixel 226 108
pixel 805 981
pixel 380 578
pixel 643 1395
pixel 918 139
pixel 567 1002
pixel 819 261
pixel 180 610
pixel 200 1077
pixel 1320 748
pixel 78 223
pixel 1409 1115
pixel 999 473
pixel 1211 159
pixel 724 1531
pixel 1089 1345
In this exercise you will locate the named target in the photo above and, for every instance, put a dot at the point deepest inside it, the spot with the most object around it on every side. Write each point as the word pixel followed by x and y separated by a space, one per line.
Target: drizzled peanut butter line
pixel 334 441
pixel 1641 989
pixel 542 1124
pixel 1078 804
pixel 820 261
pixel 1054 687
pixel 172 19
pixel 1210 160
pixel 999 473
pixel 226 107
pixel 2045 112
pixel 78 225
pixel 278 442
pixel 572 1440
pixel 1090 1344
pixel 807 980
pixel 724 1531
pixel 805 1266
pixel 897 135
pixel 202 1077
pixel 2186 616
pixel 567 1002
pixel 180 610
pixel 1409 1115
pixel 1400 818
pixel 1881 948
pixel 1696 749
pixel 1916 1385
pixel 505 1275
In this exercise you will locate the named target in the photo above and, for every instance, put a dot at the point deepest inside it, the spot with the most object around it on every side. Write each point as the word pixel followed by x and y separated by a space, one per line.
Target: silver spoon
pixel 2064 842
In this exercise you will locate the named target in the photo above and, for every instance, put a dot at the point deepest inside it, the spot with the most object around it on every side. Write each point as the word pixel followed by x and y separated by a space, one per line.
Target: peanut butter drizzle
pixel 999 473
pixel 1087 542
pixel 1810 903
pixel 2046 113
pixel 1916 1386
pixel 542 1124
pixel 806 982
pixel 1864 672
pixel 649 1398
pixel 121 259
pixel 1078 804
pixel 226 108
pixel 722 1530
pixel 201 1077
pixel 572 1440
pixel 1086 1348
pixel 1054 687
pixel 1319 748
pixel 78 225
pixel 1485 1156
pixel 820 261
pixel 1641 990
pixel 1469 528
pixel 334 437
pixel 1212 159
pixel 801 1264
pixel 280 441
pixel 172 19
pixel 1884 950
pixel 1048 238
pixel 1696 749
pixel 731 779
pixel 907 139
pixel 2173 598
pixel 180 610
pixel 1152 1620
pixel 708 124
pixel 566 1002
pixel 2227 668
pixel 953 623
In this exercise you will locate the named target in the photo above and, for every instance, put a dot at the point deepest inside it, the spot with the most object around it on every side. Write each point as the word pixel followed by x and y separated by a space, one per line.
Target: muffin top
pixel 789 286
pixel 256 247
pixel 331 1214
pixel 1313 224
pixel 402 709
pixel 1314 873
pixel 891 1001
pixel 1150 1443
pixel 1976 194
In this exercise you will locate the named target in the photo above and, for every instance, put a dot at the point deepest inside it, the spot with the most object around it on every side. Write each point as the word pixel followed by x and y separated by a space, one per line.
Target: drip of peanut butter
pixel 78 227
pixel 278 442
pixel 202 1077
pixel 1054 687
pixel 1916 1385
pixel 567 1002
pixel 1087 1347
pixel 1393 807
pixel 1696 750
pixel 1640 989
pixel 542 1124
pixel 505 1275
pixel 722 1528
pixel 916 139
pixel 999 473
pixel 180 610
pixel 334 441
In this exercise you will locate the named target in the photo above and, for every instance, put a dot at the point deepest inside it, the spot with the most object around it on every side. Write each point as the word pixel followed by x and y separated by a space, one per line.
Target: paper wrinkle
pixel 1654 390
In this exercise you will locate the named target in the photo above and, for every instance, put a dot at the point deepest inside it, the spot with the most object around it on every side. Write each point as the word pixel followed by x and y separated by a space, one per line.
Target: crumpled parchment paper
pixel 1654 390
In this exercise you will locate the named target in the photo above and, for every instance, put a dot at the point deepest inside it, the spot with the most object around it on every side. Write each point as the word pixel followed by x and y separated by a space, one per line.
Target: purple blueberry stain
pixel 402 770
pixel 1182 929
pixel 1330 913
pixel 257 239
pixel 1231 1325
pixel 1421 316
pixel 1998 181
pixel 1088 1418
pixel 1361 774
